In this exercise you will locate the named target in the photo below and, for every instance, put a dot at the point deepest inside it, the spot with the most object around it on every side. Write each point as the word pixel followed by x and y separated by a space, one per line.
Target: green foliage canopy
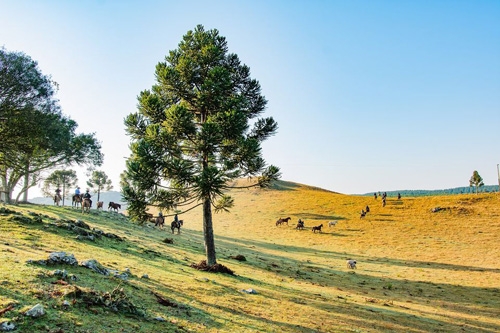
pixel 36 136
pixel 98 182
pixel 197 129
pixel 476 180
pixel 60 179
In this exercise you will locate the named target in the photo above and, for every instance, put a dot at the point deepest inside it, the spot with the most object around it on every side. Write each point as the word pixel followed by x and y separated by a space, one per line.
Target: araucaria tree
pixel 99 181
pixel 195 131
pixel 476 181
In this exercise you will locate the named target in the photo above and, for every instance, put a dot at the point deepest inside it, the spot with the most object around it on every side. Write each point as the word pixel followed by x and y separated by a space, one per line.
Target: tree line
pixel 36 137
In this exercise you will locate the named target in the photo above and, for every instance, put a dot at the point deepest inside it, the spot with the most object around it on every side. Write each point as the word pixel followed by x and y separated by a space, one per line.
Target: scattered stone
pixel 88 237
pixel 113 236
pixel 62 258
pixel 127 270
pixel 145 276
pixel 168 241
pixel 122 276
pixel 238 257
pixel 65 305
pixel 61 273
pixel 7 211
pixel 95 266
pixel 7 326
pixel 36 311
pixel 436 209
pixel 159 318
pixel 81 224
pixel 249 291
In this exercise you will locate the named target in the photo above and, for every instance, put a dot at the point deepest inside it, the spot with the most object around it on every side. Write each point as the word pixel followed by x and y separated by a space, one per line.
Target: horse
pixel 176 225
pixel 77 200
pixel 159 221
pixel 281 221
pixel 57 199
pixel 300 225
pixel 86 205
pixel 100 204
pixel 317 228
pixel 114 206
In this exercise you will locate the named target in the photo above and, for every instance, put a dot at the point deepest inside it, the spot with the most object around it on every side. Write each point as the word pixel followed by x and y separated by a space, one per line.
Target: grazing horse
pixel 86 205
pixel 317 228
pixel 176 225
pixel 57 199
pixel 77 200
pixel 114 206
pixel 282 221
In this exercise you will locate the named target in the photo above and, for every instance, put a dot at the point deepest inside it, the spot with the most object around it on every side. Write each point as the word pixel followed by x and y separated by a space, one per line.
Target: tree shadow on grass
pixel 390 295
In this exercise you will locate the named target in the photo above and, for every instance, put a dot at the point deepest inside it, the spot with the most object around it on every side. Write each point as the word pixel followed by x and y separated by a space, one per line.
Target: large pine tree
pixel 195 131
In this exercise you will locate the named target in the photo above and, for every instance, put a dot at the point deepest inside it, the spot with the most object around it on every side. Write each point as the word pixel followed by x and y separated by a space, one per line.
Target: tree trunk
pixel 26 186
pixel 63 192
pixel 208 232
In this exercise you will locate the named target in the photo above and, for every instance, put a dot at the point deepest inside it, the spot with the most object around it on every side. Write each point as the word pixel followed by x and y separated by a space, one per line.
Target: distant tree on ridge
pixel 476 180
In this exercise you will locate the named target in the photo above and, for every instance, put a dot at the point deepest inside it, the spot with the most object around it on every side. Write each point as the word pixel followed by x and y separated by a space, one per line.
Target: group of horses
pixel 160 222
pixel 300 224
pixel 85 203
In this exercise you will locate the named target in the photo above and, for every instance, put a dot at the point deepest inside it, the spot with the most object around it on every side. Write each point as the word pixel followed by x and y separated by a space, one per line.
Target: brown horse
pixel 100 204
pixel 282 221
pixel 86 205
pixel 317 228
pixel 159 222
pixel 77 200
pixel 176 225
pixel 57 199
pixel 114 206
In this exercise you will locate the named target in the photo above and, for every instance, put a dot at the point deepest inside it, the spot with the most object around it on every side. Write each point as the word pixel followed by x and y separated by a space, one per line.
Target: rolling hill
pixel 424 264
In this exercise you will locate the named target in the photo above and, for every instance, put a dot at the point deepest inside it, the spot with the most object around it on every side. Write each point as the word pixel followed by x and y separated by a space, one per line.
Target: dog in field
pixel 351 263
pixel 332 224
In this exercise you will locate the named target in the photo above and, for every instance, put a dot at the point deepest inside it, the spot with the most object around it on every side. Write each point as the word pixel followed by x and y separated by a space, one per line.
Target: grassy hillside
pixel 417 271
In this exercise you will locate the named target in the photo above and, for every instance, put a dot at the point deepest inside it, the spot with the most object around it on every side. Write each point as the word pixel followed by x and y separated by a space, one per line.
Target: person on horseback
pixel 88 196
pixel 77 191
pixel 58 194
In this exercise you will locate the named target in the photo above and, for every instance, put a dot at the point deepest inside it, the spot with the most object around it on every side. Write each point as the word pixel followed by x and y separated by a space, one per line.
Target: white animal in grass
pixel 351 263
pixel 332 224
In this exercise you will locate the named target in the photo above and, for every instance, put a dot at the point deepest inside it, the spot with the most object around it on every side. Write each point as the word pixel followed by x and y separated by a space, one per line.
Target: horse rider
pixel 88 196
pixel 58 193
pixel 176 219
pixel 77 191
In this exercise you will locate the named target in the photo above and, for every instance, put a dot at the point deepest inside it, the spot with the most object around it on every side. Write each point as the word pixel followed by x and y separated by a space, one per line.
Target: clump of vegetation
pixel 217 268
pixel 116 300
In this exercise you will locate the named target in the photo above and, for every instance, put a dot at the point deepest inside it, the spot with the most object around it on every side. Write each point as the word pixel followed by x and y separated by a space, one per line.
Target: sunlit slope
pixel 417 270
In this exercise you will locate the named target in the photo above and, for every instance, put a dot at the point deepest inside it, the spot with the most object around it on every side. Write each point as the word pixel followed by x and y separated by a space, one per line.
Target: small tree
pixel 476 180
pixel 60 178
pixel 99 181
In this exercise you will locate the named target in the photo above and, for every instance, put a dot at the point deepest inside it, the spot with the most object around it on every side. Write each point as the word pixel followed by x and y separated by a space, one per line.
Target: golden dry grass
pixel 417 271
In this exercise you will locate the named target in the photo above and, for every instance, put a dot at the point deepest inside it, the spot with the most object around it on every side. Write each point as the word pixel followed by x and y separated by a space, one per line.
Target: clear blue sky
pixel 369 95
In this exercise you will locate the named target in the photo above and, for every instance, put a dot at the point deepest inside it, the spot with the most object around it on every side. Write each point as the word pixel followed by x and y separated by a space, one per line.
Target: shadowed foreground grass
pixel 417 271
